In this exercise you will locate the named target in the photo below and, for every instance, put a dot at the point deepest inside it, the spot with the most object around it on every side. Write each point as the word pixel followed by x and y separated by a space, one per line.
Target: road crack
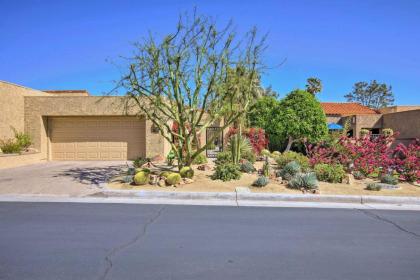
pixel 382 219
pixel 119 248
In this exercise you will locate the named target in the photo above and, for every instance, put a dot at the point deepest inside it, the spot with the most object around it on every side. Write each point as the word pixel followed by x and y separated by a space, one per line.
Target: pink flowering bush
pixel 406 161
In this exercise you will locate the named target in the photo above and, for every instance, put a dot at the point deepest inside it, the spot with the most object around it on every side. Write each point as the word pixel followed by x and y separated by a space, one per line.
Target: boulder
pixel 348 179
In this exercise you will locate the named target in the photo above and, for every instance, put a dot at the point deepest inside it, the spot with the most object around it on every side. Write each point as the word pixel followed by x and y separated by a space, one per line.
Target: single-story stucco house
pixel 73 125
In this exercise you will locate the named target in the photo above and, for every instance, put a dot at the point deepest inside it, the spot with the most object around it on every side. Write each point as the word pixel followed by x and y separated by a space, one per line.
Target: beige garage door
pixel 96 138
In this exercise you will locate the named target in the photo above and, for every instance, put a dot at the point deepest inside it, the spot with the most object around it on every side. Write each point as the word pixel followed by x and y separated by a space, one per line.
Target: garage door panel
pixel 97 138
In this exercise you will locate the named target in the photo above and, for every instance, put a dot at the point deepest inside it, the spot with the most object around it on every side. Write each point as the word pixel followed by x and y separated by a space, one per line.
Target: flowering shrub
pixel 256 136
pixel 406 161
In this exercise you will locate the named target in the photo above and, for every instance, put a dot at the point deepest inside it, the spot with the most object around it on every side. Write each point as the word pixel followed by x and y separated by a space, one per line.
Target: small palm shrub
pixel 173 179
pixel 141 178
pixel 226 172
pixel 238 145
pixel 333 173
pixel 200 159
pixel 186 172
pixel 261 182
pixel 289 170
pixel 290 156
pixel 304 180
pixel 249 156
pixel 373 187
pixel 140 161
pixel 223 158
pixel 247 167
pixel 389 179
pixel 10 146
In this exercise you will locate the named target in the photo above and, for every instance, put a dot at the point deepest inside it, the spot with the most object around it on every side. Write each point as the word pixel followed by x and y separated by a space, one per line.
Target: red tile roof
pixel 346 109
pixel 73 92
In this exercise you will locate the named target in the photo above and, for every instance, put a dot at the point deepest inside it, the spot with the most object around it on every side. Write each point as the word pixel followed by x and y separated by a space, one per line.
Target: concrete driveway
pixel 74 178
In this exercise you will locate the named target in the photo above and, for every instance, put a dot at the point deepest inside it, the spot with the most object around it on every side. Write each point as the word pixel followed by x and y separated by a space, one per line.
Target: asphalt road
pixel 120 241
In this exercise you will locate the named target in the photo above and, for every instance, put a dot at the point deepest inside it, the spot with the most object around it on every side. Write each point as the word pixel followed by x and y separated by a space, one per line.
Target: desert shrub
pixel 165 174
pixel 261 182
pixel 249 156
pixel 290 156
pixel 140 161
pixel 173 179
pixel 358 175
pixel 10 146
pixel 129 179
pixel 141 178
pixel 23 139
pixel 387 131
pixel 389 179
pixel 265 152
pixel 304 180
pixel 364 132
pixel 373 187
pixel 223 158
pixel 226 172
pixel 200 159
pixel 247 167
pixel 289 170
pixel 186 172
pixel 329 173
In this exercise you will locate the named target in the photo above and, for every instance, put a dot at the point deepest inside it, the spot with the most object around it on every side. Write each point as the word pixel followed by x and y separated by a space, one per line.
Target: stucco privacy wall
pixel 12 107
pixel 37 109
pixel 406 123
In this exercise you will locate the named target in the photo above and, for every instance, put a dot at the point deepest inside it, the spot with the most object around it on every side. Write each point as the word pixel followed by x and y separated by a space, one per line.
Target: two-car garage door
pixel 96 138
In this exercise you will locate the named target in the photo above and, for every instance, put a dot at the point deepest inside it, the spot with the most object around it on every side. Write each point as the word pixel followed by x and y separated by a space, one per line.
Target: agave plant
pixel 304 180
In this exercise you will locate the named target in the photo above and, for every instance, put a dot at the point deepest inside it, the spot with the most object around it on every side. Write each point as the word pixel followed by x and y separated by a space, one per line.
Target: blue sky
pixel 66 44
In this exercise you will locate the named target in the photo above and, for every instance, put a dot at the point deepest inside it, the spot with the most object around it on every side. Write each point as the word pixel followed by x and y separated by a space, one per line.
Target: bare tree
pixel 195 77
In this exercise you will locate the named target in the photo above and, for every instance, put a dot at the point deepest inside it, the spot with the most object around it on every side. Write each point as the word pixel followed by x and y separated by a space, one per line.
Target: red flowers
pixel 256 136
pixel 370 155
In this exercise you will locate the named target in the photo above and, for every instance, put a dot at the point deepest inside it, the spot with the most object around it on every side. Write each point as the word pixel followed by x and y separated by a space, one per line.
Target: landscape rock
pixel 204 167
pixel 348 179
pixel 161 183
pixel 187 181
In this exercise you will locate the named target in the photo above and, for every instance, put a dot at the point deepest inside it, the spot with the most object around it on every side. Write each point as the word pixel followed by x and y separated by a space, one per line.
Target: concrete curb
pixel 263 197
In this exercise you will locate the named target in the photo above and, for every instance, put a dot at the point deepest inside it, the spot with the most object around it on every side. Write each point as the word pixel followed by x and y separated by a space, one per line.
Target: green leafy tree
pixel 264 113
pixel 313 85
pixel 374 95
pixel 193 77
pixel 301 118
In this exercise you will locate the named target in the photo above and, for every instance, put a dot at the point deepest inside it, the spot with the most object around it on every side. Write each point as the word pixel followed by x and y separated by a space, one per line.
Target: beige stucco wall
pixel 38 109
pixel 12 107
pixel 395 109
pixel 9 161
pixel 365 121
pixel 406 123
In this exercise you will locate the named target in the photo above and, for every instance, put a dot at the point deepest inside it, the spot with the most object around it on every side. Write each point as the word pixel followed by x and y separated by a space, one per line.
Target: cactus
pixel 145 170
pixel 266 168
pixel 131 171
pixel 247 167
pixel 275 154
pixel 389 179
pixel 373 187
pixel 165 174
pixel 173 179
pixel 261 182
pixel 265 152
pixel 289 170
pixel 304 180
pixel 186 172
pixel 141 178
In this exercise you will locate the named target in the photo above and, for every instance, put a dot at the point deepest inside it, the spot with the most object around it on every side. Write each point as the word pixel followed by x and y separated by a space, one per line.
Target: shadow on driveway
pixel 92 175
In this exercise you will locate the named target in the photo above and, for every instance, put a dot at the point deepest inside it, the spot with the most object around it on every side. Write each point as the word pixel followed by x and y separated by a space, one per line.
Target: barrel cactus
pixel 265 152
pixel 261 182
pixel 275 154
pixel 165 174
pixel 173 179
pixel 146 170
pixel 141 178
pixel 186 172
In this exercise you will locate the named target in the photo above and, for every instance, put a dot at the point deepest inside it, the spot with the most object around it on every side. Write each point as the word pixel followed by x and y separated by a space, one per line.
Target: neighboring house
pixel 72 125
pixel 402 119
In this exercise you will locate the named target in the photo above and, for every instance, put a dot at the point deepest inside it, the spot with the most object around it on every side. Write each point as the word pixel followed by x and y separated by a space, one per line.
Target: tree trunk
pixel 289 144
